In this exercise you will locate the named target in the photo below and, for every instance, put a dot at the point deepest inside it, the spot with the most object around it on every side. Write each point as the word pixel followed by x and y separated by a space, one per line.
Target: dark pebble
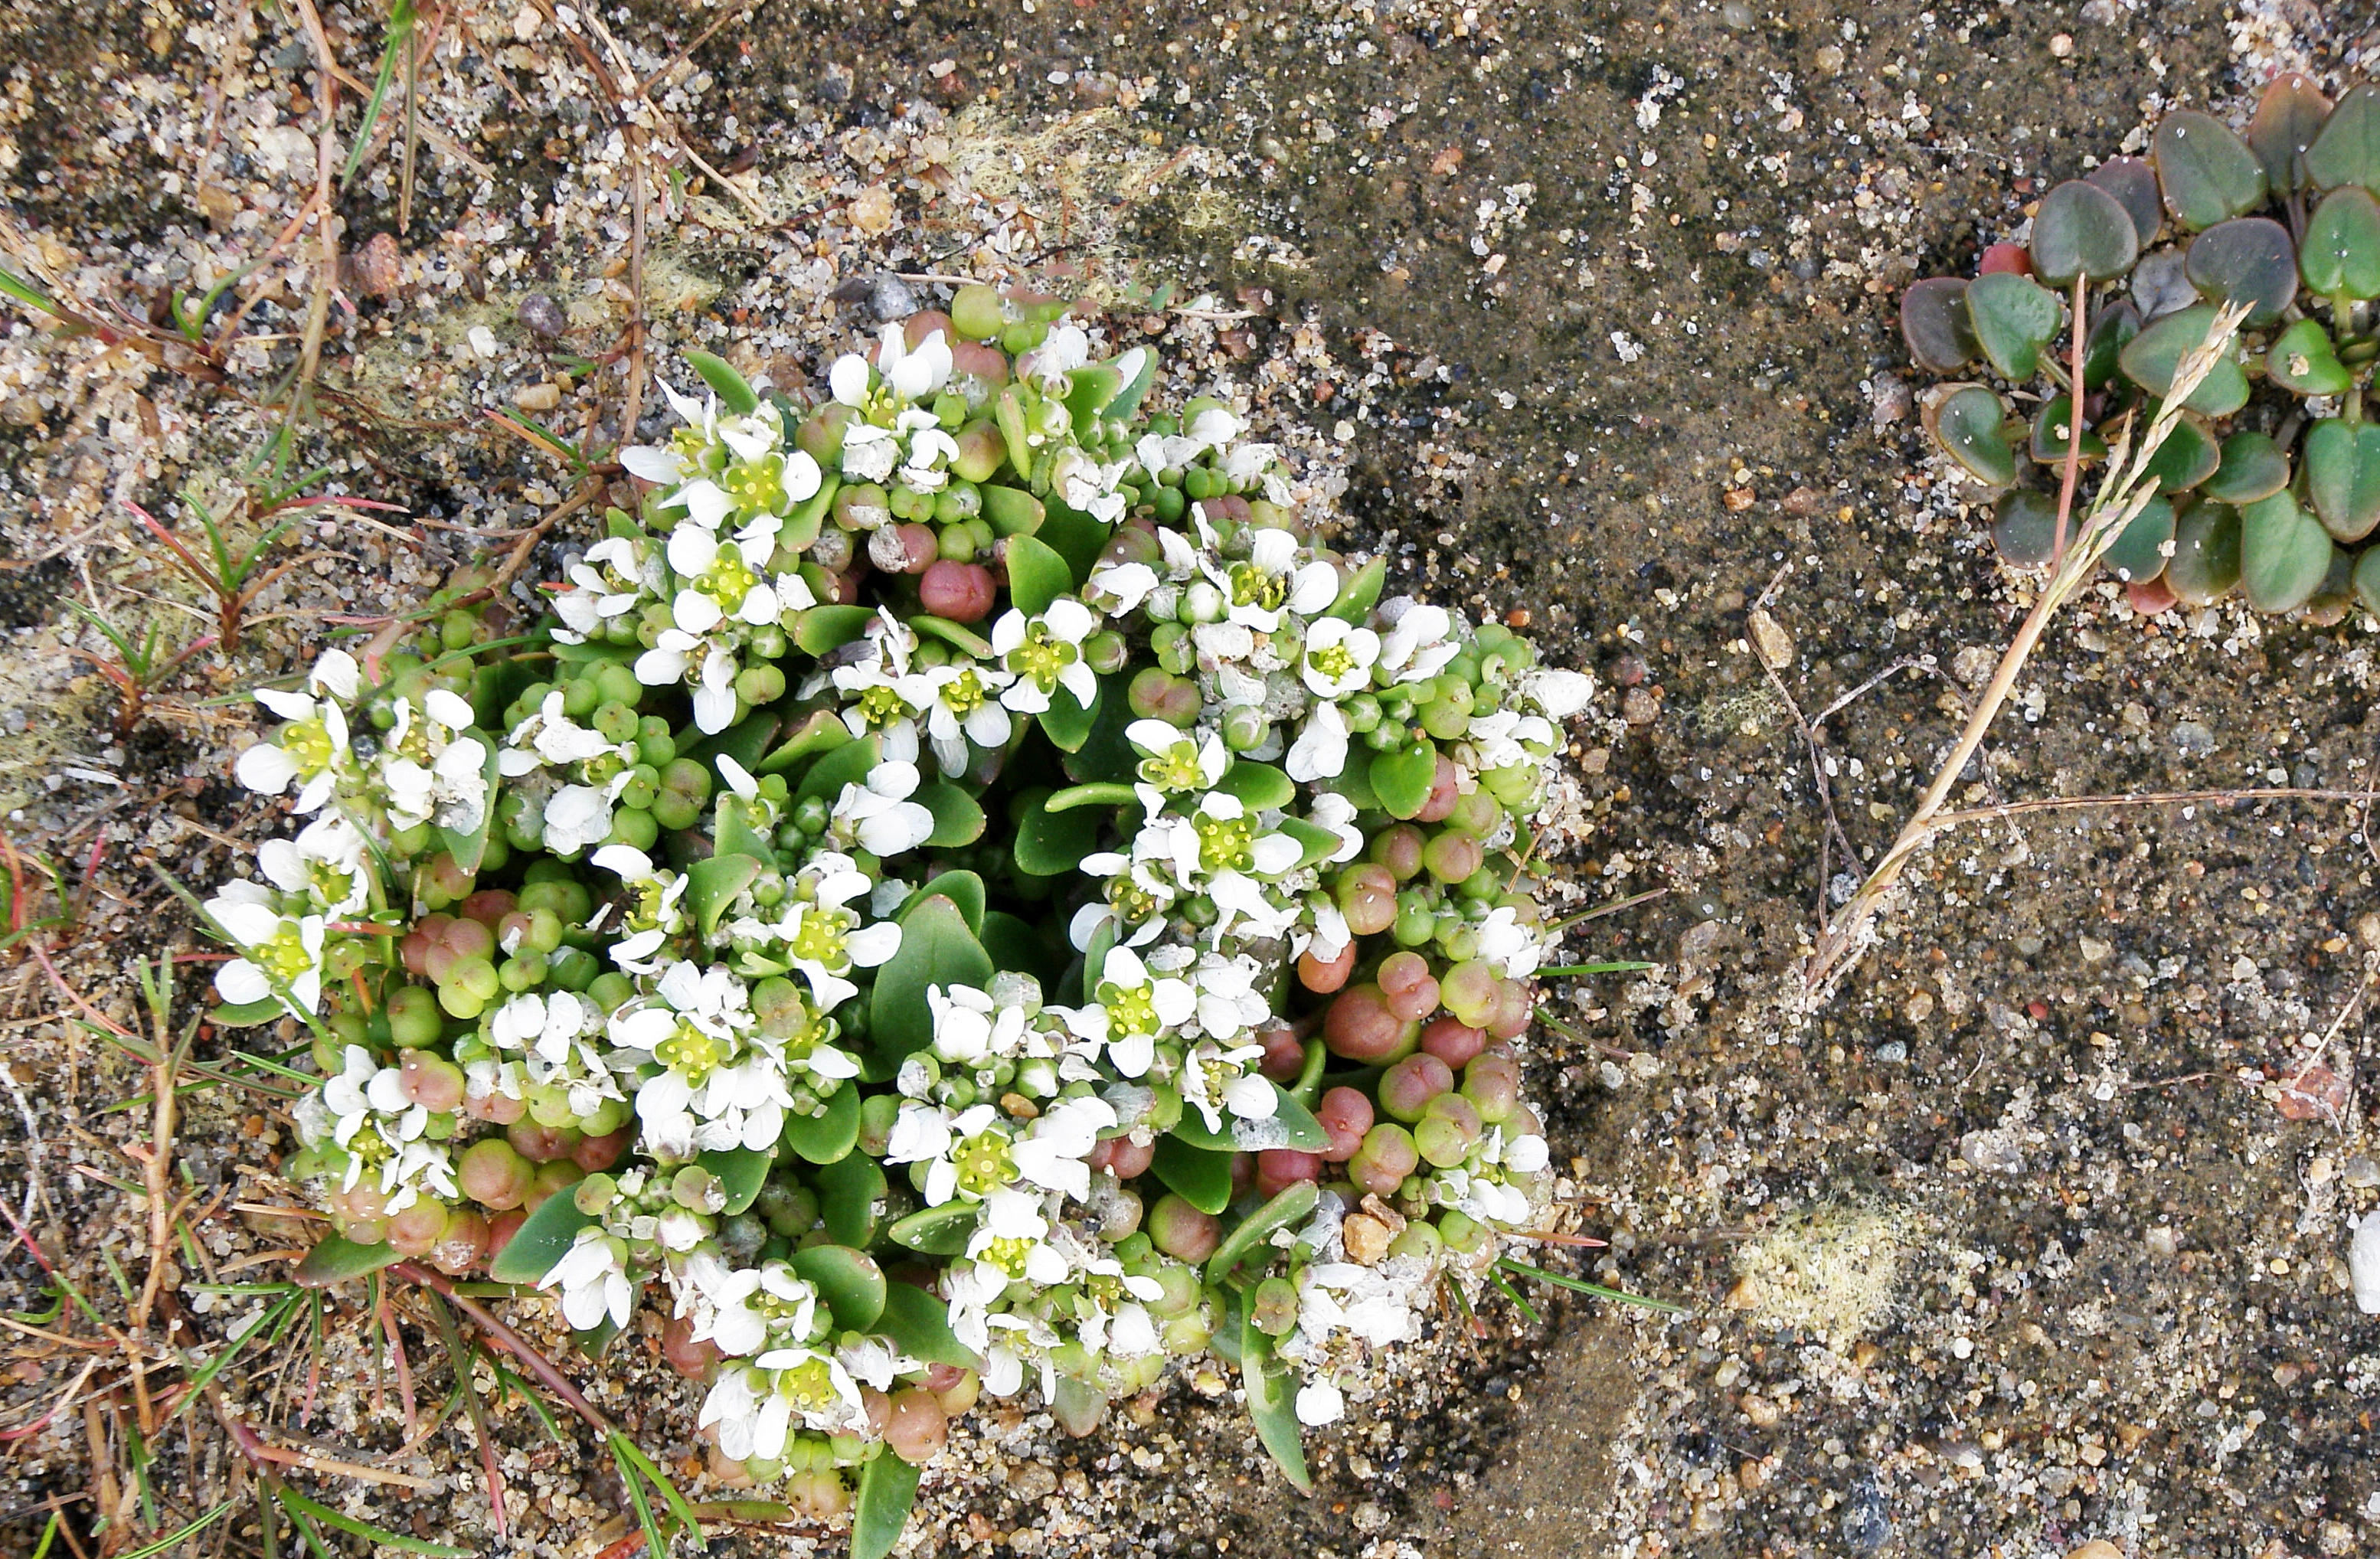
pixel 542 315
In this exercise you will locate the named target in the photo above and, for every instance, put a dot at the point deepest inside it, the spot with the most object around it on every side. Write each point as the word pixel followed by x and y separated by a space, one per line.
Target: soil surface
pixel 2033 1233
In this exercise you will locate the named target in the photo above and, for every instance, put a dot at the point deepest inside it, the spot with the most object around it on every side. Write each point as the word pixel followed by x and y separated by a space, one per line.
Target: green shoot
pixel 1580 1286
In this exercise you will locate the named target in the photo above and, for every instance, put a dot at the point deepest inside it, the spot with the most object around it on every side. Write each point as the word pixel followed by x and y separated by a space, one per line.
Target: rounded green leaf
pixel 334 1258
pixel 2342 468
pixel 712 884
pixel 741 1171
pixel 958 817
pixel 2135 184
pixel 1265 1385
pixel 2140 553
pixel 2289 116
pixel 1934 324
pixel 2204 566
pixel 1050 843
pixel 737 396
pixel 2208 173
pixel 1401 777
pixel 1036 575
pixel 2081 229
pixel 2053 431
pixel 2188 457
pixel 829 627
pixel 937 948
pixel 2367 580
pixel 2249 261
pixel 850 1190
pixel 2111 330
pixel 888 1491
pixel 2253 467
pixel 2304 359
pixel 1966 420
pixel 964 889
pixel 827 1136
pixel 2284 553
pixel 1363 586
pixel 2013 317
pixel 2150 358
pixel 938 1231
pixel 1257 787
pixel 2347 149
pixel 849 1281
pixel 2340 257
pixel 1201 1177
pixel 850 763
pixel 920 1325
pixel 1068 721
pixel 2024 527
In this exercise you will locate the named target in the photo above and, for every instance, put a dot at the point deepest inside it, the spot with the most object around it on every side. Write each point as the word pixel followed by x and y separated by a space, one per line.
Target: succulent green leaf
pixel 2249 261
pixel 2111 330
pixel 937 948
pixel 1363 589
pixel 2204 566
pixel 746 742
pixel 2284 553
pixel 1008 411
pixel 957 635
pixel 1077 537
pixel 1934 324
pixel 1015 943
pixel 2253 467
pixel 543 1239
pixel 1078 1404
pixel 2024 527
pixel 1257 787
pixel 888 1491
pixel 958 817
pixel 2153 356
pixel 2014 317
pixel 1320 842
pixel 1403 776
pixel 1068 722
pixel 1050 843
pixel 938 1231
pixel 741 1171
pixel 1263 1380
pixel 849 1281
pixel 2135 184
pixel 1106 753
pixel 2188 457
pixel 1013 511
pixel 2342 468
pixel 712 883
pixel 821 628
pixel 849 1190
pixel 2208 173
pixel 2347 149
pixel 733 393
pixel 336 1258
pixel 819 731
pixel 2053 429
pixel 964 889
pixel 849 764
pixel 1291 1206
pixel 825 1138
pixel 2081 229
pixel 244 1015
pixel 1967 422
pixel 2340 257
pixel 1306 1133
pixel 1036 575
pixel 2289 116
pixel 2366 581
pixel 1201 1177
pixel 920 1325
pixel 2139 554
pixel 2304 359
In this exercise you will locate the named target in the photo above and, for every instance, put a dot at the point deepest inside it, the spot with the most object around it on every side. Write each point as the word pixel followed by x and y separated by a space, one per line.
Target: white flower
pixel 1339 657
pixel 913 372
pixel 1559 694
pixel 311 749
pixel 324 862
pixel 1419 642
pixel 1054 1149
pixel 880 814
pixel 1320 751
pixel 738 1329
pixel 282 954
pixel 1045 653
pixel 593 1277
pixel 964 707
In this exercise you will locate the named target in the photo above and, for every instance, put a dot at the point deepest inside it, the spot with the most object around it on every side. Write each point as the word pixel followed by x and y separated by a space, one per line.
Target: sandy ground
pixel 1579 310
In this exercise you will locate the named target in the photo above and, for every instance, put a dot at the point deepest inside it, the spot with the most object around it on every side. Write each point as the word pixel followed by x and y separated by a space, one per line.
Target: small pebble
pixel 542 314
pixel 2360 1171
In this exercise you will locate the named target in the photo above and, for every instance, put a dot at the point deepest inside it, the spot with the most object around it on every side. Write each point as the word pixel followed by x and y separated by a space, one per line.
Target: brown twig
pixel 509 1340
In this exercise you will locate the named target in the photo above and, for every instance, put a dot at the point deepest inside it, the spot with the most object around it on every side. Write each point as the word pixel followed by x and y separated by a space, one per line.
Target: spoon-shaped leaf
pixel 2081 229
pixel 2284 553
pixel 1966 420
pixel 2052 429
pixel 2204 566
pixel 2289 116
pixel 2342 468
pixel 2014 317
pixel 2340 257
pixel 2249 261
pixel 2347 149
pixel 851 1282
pixel 1934 324
pixel 2152 356
pixel 2188 457
pixel 2139 554
pixel 2208 173
pixel 2253 467
pixel 2024 527
pixel 2303 358
pixel 2135 184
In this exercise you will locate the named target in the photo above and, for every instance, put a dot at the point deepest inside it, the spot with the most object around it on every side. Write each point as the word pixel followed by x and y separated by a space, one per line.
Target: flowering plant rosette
pixel 962 894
